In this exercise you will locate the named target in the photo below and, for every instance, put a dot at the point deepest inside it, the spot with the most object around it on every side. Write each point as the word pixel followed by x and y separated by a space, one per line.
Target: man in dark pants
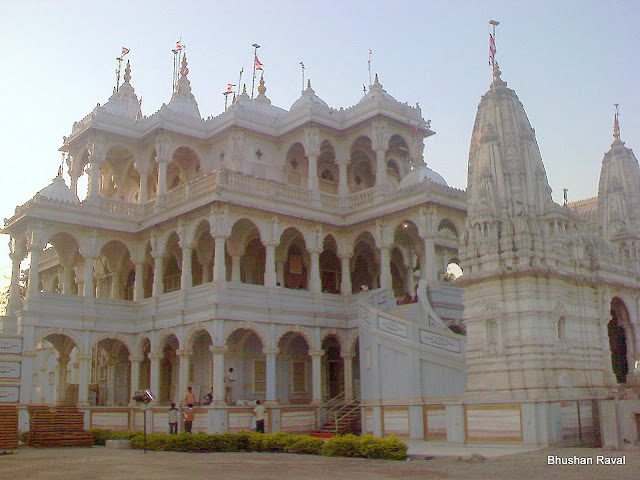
pixel 189 415
pixel 259 412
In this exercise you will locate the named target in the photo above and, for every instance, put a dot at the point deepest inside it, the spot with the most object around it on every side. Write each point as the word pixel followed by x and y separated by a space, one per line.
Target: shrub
pixel 156 441
pixel 275 442
pixel 389 448
pixel 344 446
pixel 100 436
pixel 306 445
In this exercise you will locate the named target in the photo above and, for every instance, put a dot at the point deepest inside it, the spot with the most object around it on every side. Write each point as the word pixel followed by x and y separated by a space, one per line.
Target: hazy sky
pixel 569 62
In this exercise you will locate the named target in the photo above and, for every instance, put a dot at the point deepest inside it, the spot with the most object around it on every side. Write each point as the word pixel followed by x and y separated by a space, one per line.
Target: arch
pixel 253 263
pixel 172 268
pixel 183 167
pixel 297 165
pixel 115 337
pixel 447 228
pixel 202 257
pixel 58 334
pixel 119 179
pixel 111 372
pixel 361 170
pixel 365 263
pixel 333 364
pixel 264 338
pixel 168 381
pixel 399 273
pixel 327 169
pixel 330 266
pixel 112 270
pixel 307 338
pixel 620 341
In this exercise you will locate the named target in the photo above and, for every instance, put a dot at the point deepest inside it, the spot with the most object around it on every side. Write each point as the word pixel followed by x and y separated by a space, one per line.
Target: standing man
pixel 228 386
pixel 189 398
pixel 259 412
pixel 189 415
pixel 173 420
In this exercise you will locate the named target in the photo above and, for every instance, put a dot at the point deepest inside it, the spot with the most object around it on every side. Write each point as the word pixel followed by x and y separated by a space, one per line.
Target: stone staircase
pixel 341 418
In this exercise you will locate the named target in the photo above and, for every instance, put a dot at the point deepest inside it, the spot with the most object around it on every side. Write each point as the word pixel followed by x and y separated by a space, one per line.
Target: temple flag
pixel 257 64
pixel 125 50
pixel 492 49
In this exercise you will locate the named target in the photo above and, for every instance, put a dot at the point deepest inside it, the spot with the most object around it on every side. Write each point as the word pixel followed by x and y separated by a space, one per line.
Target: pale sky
pixel 569 62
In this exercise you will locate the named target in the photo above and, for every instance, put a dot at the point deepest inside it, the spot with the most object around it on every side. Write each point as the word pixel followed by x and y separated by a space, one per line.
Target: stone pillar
pixel 186 278
pixel 154 381
pixel 136 361
pixel 218 374
pixel 270 265
pixel 158 274
pixel 219 267
pixel 116 283
pixel 183 373
pixel 93 190
pixel 162 179
pixel 428 270
pixel 83 384
pixel 66 279
pixel 385 267
pixel 111 381
pixel 61 393
pixel 270 354
pixel 347 360
pixel 312 180
pixel 411 284
pixel 316 376
pixel 345 281
pixel 26 377
pixel 382 181
pixel 144 179
pixel 14 290
pixel 138 286
pixel 343 186
pixel 89 290
pixel 235 268
pixel 34 275
pixel 314 275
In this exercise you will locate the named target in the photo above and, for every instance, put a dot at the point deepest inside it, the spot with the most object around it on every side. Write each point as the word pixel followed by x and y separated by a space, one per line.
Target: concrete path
pixel 418 448
pixel 100 463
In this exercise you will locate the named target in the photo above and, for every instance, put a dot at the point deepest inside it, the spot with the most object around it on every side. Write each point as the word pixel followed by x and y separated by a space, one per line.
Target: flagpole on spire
pixel 616 123
pixel 369 66
pixel 177 59
pixel 492 49
pixel 226 93
pixel 124 51
pixel 302 65
pixel 256 63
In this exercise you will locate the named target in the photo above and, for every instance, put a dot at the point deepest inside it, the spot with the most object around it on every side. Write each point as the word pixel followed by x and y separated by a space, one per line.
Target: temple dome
pixel 419 174
pixel 124 101
pixel 58 191
pixel 309 101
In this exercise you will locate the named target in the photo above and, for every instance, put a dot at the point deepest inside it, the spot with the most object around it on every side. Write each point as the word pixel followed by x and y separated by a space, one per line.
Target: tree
pixel 4 295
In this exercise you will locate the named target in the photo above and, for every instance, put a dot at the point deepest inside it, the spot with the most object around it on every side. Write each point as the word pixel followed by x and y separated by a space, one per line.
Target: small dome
pixel 376 93
pixel 309 100
pixel 58 191
pixel 418 175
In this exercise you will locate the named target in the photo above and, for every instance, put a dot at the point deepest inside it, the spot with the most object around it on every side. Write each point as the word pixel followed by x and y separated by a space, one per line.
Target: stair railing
pixel 324 410
pixel 345 411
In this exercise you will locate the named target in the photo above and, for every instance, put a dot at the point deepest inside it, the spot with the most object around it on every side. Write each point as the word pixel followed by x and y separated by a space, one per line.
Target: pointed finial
pixel 261 88
pixel 495 70
pixel 184 70
pixel 309 83
pixel 376 79
pixel 244 88
pixel 127 72
pixel 616 124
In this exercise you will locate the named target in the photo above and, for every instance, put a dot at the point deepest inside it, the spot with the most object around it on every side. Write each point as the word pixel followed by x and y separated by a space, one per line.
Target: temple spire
pixel 616 124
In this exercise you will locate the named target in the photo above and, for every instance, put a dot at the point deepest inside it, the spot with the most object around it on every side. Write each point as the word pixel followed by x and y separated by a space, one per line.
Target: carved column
pixel 158 273
pixel 162 180
pixel 183 372
pixel 186 278
pixel 314 274
pixel 347 360
pixel 61 393
pixel 270 265
pixel 312 179
pixel 154 382
pixel 428 272
pixel 316 376
pixel 34 274
pixel 136 361
pixel 385 267
pixel 89 290
pixel 345 273
pixel 382 181
pixel 83 384
pixel 138 286
pixel 218 352
pixel 18 254
pixel 343 186
pixel 270 354
pixel 219 267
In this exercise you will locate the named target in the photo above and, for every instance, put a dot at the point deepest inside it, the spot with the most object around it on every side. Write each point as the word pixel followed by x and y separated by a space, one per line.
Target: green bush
pixel 306 445
pixel 343 446
pixel 367 446
pixel 389 448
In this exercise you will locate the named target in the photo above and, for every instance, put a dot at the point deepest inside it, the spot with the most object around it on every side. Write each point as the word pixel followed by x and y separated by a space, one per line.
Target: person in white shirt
pixel 259 412
pixel 228 386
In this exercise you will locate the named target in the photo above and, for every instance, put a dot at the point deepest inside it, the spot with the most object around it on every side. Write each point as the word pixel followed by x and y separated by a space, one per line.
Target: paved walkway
pixel 418 448
pixel 100 463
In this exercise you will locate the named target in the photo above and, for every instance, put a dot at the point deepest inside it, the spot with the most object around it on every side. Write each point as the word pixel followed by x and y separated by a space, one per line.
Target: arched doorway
pixel 618 339
pixel 333 366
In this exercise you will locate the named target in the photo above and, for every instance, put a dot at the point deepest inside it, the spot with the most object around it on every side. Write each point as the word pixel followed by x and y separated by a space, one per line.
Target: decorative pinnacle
pixel 616 123
pixel 376 79
pixel 261 88
pixel 309 83
pixel 244 88
pixel 127 72
pixel 184 70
